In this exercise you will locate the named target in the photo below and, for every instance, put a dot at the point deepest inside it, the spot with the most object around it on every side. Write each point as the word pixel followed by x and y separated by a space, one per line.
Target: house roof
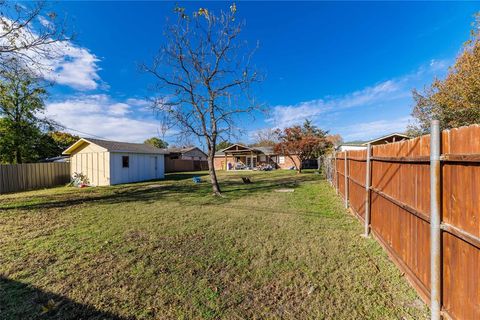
pixel 183 150
pixel 265 150
pixel 116 146
pixel 180 150
pixel 388 136
pixel 380 140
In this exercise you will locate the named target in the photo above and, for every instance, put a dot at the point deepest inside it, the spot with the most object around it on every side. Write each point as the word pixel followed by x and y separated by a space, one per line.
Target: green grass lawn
pixel 169 250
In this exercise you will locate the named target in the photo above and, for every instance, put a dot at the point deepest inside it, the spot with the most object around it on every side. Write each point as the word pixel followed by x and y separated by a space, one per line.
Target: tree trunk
pixel 18 153
pixel 213 174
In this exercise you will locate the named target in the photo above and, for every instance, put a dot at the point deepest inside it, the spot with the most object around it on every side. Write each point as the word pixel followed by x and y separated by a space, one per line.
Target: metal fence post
pixel 345 160
pixel 435 233
pixel 336 174
pixel 368 182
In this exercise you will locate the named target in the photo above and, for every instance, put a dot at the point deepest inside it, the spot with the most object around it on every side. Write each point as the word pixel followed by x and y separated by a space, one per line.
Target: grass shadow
pixel 176 187
pixel 22 301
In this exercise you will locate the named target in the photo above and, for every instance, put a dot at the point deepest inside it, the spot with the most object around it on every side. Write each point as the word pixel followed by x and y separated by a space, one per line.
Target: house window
pixel 125 161
pixel 263 158
pixel 281 159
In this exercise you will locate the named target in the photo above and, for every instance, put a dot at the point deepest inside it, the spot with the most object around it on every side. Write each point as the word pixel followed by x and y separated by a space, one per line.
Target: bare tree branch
pixel 204 77
pixel 29 34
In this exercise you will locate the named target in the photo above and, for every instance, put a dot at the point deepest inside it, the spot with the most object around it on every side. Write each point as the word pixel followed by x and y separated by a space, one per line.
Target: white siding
pixel 93 162
pixel 142 167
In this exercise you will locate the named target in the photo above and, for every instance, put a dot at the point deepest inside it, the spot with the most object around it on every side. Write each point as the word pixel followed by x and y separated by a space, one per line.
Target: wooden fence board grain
pixel 28 176
pixel 400 211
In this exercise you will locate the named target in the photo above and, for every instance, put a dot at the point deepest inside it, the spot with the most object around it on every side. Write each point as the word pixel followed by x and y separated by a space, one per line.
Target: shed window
pixel 125 161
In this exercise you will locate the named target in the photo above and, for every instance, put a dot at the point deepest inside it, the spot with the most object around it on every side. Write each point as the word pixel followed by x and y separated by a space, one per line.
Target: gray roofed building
pixel 188 153
pixel 117 146
pixel 106 162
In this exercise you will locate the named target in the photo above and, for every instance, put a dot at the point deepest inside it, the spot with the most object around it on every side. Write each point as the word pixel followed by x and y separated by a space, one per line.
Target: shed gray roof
pixel 117 146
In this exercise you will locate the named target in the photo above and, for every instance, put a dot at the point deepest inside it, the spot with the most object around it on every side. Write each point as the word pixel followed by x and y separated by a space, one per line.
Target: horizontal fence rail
pixel 28 176
pixel 390 193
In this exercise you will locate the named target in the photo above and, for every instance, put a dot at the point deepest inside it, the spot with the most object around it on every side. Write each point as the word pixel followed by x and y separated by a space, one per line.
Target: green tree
pixel 21 108
pixel 63 140
pixel 52 144
pixel 305 142
pixel 455 100
pixel 223 145
pixel 156 142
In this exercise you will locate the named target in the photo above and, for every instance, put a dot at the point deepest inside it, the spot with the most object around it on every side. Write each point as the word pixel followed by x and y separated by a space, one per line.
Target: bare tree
pixel 204 75
pixel 28 33
pixel 267 137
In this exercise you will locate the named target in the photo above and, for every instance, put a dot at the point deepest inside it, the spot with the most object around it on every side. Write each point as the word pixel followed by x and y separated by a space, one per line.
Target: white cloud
pixel 66 63
pixel 138 102
pixel 119 109
pixel 374 129
pixel 45 22
pixel 101 116
pixel 284 116
pixel 391 100
pixel 73 66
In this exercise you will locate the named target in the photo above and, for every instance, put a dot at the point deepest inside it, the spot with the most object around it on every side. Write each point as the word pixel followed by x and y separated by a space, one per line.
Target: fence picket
pixel 27 176
pixel 400 212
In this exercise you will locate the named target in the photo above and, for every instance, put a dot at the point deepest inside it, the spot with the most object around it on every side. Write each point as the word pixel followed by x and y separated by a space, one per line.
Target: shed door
pixel 154 166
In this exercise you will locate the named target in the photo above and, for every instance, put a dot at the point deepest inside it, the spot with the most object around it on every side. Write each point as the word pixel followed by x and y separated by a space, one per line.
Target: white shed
pixel 110 162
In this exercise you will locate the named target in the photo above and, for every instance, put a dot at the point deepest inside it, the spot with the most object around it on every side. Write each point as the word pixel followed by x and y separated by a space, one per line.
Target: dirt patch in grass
pixel 167 249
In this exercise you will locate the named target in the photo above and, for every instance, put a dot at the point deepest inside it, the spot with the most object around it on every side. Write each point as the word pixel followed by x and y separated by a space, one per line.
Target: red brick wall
pixel 289 163
pixel 219 162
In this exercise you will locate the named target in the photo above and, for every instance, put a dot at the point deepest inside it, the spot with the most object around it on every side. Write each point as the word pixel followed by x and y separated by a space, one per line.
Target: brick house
pixel 238 156
pixel 188 153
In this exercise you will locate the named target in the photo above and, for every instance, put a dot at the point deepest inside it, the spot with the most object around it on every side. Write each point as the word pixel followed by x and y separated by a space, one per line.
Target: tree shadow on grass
pixel 22 301
pixel 177 187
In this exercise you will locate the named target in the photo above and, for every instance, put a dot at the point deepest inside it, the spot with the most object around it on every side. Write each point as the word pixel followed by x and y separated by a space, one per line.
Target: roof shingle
pixel 117 146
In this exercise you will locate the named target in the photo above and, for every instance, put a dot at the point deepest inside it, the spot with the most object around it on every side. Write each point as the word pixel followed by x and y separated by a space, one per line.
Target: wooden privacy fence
pixel 183 165
pixel 28 176
pixel 434 237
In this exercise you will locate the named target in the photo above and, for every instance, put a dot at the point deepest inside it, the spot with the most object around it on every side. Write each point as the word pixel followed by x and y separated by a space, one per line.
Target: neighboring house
pixel 185 160
pixel 238 156
pixel 191 153
pixel 111 162
pixel 362 145
pixel 351 146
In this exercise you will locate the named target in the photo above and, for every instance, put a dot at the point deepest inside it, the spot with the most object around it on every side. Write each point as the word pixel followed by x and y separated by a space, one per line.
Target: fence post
pixel 345 160
pixel 368 182
pixel 335 171
pixel 435 234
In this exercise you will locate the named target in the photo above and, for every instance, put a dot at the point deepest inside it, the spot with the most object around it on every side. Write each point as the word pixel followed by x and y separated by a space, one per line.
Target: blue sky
pixel 350 67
